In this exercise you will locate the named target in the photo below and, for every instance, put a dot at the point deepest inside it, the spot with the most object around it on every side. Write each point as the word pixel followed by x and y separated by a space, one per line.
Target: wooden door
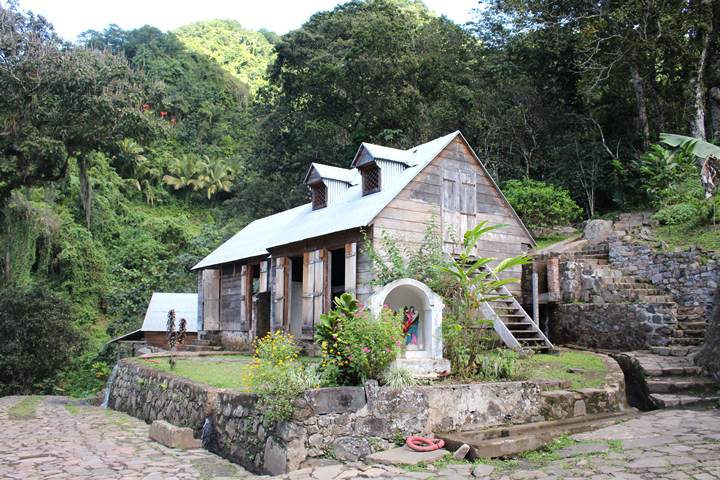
pixel 263 276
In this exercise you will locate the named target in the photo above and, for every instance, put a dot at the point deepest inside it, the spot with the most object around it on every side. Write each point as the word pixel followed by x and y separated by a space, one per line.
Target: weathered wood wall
pixel 460 193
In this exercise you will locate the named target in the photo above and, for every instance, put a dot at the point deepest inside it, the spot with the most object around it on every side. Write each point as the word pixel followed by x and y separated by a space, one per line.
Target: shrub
pixel 676 214
pixel 277 348
pixel 541 205
pixel 39 340
pixel 357 345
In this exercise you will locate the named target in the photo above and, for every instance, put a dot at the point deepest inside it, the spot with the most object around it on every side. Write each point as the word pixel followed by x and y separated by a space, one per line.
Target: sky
pixel 71 17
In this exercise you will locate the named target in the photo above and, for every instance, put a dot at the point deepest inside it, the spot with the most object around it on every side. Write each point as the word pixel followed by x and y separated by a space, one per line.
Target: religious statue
pixel 411 321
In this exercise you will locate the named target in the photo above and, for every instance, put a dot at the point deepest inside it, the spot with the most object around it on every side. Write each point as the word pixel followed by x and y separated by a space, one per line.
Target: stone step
pixel 679 333
pixel 683 310
pixel 685 341
pixel 674 351
pixel 691 326
pixel 621 281
pixel 202 343
pixel 690 318
pixel 664 400
pixel 681 384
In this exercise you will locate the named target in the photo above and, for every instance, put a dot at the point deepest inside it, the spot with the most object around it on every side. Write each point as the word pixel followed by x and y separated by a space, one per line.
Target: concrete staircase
pixel 207 342
pixel 666 377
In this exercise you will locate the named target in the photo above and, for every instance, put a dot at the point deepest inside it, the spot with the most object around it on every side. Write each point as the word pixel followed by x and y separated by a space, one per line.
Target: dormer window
pixel 371 179
pixel 319 196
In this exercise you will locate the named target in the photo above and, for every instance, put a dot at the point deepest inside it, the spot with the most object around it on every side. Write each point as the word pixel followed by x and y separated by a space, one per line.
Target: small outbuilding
pixel 154 328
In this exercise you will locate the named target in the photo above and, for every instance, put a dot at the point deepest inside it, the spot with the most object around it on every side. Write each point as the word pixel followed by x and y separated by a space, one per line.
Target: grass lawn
pixel 707 237
pixel 548 366
pixel 232 371
pixel 216 373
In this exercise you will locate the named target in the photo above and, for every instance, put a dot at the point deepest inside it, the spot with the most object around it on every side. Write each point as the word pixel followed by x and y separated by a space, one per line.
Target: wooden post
pixel 536 306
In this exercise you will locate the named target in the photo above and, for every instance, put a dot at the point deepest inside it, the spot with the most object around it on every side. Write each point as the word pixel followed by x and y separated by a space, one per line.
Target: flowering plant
pixel 358 345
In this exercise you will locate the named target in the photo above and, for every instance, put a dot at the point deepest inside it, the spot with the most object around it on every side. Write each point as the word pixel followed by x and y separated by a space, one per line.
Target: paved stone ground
pixel 89 442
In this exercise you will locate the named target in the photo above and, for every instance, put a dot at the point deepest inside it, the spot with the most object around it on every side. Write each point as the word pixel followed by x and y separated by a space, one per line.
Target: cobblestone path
pixel 89 442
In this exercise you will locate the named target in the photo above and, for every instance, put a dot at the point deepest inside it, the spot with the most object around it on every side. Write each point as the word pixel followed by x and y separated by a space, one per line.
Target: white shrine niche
pixel 423 349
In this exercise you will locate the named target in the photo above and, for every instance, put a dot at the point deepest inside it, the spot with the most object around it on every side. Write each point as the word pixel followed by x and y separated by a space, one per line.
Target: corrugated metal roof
pixel 185 305
pixel 251 241
pixel 386 153
pixel 350 176
pixel 350 210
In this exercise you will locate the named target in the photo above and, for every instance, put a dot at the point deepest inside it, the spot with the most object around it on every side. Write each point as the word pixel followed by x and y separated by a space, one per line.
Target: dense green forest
pixel 129 155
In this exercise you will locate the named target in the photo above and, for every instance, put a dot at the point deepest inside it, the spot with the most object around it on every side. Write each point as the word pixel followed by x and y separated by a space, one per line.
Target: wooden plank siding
pixel 461 194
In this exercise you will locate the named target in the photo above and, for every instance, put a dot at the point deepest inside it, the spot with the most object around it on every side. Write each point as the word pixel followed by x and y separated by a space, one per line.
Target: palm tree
pixel 185 171
pixel 216 176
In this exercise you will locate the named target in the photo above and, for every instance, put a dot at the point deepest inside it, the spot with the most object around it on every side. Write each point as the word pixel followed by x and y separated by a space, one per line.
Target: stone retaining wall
pixel 614 326
pixel 690 277
pixel 346 423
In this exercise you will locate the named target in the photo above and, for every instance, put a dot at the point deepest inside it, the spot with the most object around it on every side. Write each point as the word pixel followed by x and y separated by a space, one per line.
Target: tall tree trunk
pixel 85 190
pixel 714 95
pixel 658 107
pixel 643 124
pixel 704 11
pixel 698 121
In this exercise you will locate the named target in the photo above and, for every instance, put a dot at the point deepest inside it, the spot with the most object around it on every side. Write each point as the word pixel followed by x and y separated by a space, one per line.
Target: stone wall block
pixel 335 399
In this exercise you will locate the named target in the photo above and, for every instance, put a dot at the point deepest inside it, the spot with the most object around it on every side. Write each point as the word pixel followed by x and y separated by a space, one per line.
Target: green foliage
pixel 676 214
pixel 463 334
pixel 276 402
pixel 541 205
pixel 277 348
pixel 39 340
pixel 357 345
pixel 660 171
pixel 59 101
pixel 241 52
pixel 396 259
pixel 501 365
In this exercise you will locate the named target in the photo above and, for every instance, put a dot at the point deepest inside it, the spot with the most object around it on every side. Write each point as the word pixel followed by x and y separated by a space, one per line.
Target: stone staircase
pixel 207 342
pixel 603 284
pixel 667 377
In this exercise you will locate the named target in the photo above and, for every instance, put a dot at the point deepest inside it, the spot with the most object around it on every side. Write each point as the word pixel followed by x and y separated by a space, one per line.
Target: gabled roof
pixel 349 211
pixel 383 153
pixel 318 170
pixel 184 304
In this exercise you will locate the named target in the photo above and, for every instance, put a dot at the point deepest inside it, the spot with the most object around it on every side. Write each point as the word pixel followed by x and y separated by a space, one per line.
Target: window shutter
pixel 350 267
pixel 280 286
pixel 319 293
pixel 263 276
pixel 308 304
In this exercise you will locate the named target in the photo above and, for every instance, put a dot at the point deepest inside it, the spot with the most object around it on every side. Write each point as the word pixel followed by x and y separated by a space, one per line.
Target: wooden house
pixel 283 271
